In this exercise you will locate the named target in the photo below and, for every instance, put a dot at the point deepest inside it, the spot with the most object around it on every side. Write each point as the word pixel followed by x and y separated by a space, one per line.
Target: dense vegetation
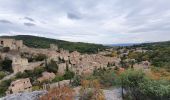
pixel 139 87
pixel 157 53
pixel 41 42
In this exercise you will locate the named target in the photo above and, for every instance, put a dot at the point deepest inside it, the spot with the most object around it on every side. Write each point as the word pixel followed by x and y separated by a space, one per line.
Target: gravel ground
pixel 25 96
pixel 114 94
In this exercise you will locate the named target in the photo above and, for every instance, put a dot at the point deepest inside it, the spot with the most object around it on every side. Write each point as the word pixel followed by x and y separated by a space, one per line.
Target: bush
pixel 52 67
pixel 106 77
pixel 68 75
pixel 40 57
pixel 4 86
pixel 2 75
pixel 130 81
pixel 7 65
pixel 59 93
pixel 139 87
pixel 58 78
pixel 91 90
pixel 76 80
pixel 6 49
pixel 155 89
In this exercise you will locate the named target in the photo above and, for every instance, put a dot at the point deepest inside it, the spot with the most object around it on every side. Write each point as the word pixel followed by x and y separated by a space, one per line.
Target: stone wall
pixel 11 43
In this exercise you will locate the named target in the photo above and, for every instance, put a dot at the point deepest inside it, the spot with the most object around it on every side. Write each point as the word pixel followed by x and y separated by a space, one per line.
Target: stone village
pixel 75 61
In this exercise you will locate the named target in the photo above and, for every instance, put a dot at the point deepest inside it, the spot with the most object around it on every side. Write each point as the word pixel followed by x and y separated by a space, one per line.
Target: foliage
pixel 91 90
pixel 4 86
pixel 36 88
pixel 76 80
pixel 41 42
pixel 5 49
pixel 130 81
pixel 106 77
pixel 2 75
pixel 32 74
pixel 58 78
pixel 158 53
pixel 6 65
pixel 52 67
pixel 59 93
pixel 155 89
pixel 140 87
pixel 33 58
pixel 68 74
pixel 40 57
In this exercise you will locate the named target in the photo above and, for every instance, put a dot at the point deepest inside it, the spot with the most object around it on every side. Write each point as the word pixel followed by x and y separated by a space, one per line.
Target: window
pixel 2 42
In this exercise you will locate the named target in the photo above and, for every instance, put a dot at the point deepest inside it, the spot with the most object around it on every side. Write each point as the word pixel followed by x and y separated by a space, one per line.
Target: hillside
pixel 42 42
pixel 158 53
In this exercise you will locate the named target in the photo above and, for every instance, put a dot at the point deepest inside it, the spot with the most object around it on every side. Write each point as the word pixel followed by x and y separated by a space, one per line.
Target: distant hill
pixel 122 44
pixel 42 42
pixel 154 45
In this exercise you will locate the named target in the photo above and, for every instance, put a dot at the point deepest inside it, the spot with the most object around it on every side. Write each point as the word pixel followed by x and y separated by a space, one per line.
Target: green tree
pixel 7 65
pixel 2 74
pixel 155 89
pixel 76 80
pixel 130 80
pixel 52 67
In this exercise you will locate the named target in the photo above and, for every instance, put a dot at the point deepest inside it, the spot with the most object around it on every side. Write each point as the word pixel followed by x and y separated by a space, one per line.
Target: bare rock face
pixel 114 94
pixel 25 96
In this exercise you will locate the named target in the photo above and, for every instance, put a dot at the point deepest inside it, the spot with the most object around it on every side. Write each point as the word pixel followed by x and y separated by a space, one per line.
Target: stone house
pixel 21 85
pixel 53 47
pixel 11 43
pixel 19 64
pixel 60 84
pixel 46 76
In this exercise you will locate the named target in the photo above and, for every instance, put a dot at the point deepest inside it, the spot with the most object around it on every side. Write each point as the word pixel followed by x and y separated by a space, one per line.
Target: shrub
pixel 68 75
pixel 91 90
pixel 130 81
pixel 52 67
pixel 6 49
pixel 4 86
pixel 7 65
pixel 59 93
pixel 76 80
pixel 40 57
pixel 2 75
pixel 155 89
pixel 58 78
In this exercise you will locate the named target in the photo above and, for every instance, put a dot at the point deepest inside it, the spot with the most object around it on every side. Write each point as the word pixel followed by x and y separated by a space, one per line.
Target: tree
pixel 155 89
pixel 40 57
pixel 7 65
pixel 76 80
pixel 68 75
pixel 2 75
pixel 130 80
pixel 52 67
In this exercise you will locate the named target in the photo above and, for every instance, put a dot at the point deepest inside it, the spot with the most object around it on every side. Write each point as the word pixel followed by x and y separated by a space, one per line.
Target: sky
pixel 92 21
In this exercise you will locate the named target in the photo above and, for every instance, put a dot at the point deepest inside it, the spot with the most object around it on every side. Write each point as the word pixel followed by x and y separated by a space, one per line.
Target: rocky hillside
pixel 42 42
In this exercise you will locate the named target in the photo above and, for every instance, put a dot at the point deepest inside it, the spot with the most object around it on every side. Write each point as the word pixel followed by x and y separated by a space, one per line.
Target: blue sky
pixel 93 21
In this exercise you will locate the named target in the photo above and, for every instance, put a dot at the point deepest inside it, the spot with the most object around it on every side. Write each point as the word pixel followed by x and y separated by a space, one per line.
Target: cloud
pixel 28 18
pixel 5 21
pixel 73 16
pixel 96 21
pixel 29 24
